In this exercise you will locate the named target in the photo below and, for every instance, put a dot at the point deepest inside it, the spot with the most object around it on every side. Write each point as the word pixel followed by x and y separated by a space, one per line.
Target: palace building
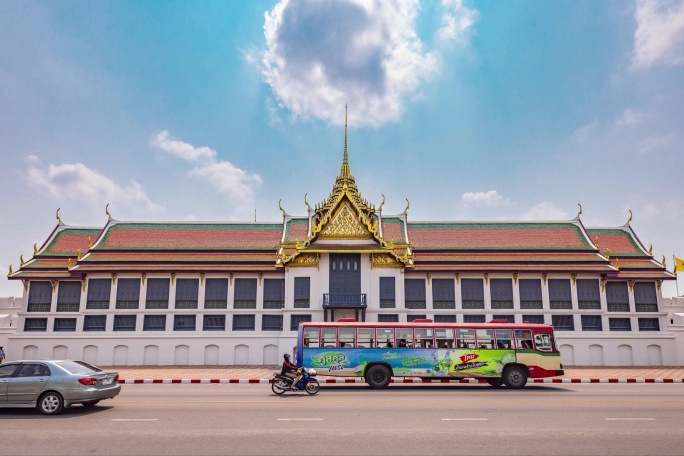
pixel 179 293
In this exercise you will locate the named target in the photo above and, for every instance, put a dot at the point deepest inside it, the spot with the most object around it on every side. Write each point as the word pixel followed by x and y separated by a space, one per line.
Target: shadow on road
pixel 76 411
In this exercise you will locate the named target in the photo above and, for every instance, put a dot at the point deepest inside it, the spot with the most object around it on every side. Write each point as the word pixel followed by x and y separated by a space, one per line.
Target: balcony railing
pixel 344 300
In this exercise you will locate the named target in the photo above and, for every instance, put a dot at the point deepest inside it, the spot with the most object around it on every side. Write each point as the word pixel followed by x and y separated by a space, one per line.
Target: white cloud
pixel 223 176
pixel 584 132
pixel 655 142
pixel 32 159
pixel 629 117
pixel 457 21
pixel 489 199
pixel 545 211
pixel 323 54
pixel 659 37
pixel 77 182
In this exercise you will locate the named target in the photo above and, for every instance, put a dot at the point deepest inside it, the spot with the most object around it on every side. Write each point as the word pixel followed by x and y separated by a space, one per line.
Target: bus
pixel 499 352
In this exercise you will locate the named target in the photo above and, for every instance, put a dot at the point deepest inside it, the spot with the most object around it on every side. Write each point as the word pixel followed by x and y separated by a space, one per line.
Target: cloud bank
pixel 489 199
pixel 659 37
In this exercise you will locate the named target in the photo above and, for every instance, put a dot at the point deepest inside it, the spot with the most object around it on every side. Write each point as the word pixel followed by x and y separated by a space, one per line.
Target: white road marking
pixel 630 419
pixel 134 419
pixel 300 419
pixel 465 419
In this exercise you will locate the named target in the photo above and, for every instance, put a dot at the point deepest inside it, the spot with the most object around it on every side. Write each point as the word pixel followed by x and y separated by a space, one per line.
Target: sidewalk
pixel 254 373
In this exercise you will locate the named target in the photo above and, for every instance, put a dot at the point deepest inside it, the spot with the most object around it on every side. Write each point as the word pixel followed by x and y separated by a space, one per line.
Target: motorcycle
pixel 281 383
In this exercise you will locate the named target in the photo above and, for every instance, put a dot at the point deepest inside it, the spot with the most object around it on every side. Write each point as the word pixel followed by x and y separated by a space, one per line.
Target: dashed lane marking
pixel 465 419
pixel 134 419
pixel 300 419
pixel 630 419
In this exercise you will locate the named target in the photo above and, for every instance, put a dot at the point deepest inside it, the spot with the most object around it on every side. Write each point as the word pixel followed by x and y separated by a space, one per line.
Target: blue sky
pixel 485 110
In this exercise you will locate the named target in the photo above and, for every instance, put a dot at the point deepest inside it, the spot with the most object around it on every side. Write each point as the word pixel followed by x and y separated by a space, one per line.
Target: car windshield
pixel 78 367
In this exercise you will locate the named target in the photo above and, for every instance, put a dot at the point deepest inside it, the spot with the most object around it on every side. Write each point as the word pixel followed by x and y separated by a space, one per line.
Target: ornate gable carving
pixel 345 225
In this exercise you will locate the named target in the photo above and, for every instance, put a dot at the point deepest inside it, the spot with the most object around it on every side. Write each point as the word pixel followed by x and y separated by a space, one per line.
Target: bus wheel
pixel 378 377
pixel 515 377
pixel 495 382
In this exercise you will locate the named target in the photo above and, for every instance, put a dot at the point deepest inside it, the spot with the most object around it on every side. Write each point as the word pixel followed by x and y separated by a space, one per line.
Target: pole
pixel 674 260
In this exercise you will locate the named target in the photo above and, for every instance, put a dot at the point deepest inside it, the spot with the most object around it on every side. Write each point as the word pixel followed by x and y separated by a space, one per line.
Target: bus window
pixel 423 338
pixel 347 337
pixel 444 338
pixel 465 338
pixel 329 337
pixel 543 342
pixel 504 338
pixel 404 337
pixel 385 337
pixel 311 337
pixel 523 339
pixel 485 338
pixel 365 338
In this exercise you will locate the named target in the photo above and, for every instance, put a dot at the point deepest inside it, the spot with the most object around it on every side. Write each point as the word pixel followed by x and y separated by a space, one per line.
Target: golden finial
pixel 308 208
pixel 664 263
pixel 580 211
pixel 650 249
pixel 21 260
pixel 382 204
pixel 109 216
pixel 69 263
pixel 344 172
pixel 617 263
pixel 630 216
pixel 608 253
pixel 408 204
pixel 10 271
pixel 281 207
pixel 79 254
pixel 298 244
pixel 35 248
pixel 90 243
pixel 59 220
pixel 596 241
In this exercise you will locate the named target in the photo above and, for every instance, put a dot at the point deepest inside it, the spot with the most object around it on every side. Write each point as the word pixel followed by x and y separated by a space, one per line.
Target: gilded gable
pixel 345 225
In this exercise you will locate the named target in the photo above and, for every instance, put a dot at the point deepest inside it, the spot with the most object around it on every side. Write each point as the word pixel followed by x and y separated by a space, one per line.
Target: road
pixel 573 419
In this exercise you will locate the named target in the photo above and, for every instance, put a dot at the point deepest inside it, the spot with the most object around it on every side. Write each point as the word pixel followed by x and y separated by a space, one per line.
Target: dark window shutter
pixel 473 318
pixel 588 290
pixel 645 293
pixel 187 289
pixel 69 293
pixel 472 290
pixel 40 292
pixel 530 290
pixel 302 288
pixel 245 289
pixel 443 290
pixel 154 323
pixel 563 322
pixel 128 290
pixel 415 289
pixel 501 289
pixel 445 318
pixel 99 289
pixel 157 289
pixel 387 288
pixel 216 290
pixel 274 290
pixel 617 293
pixel 559 290
pixel 533 319
pixel 388 318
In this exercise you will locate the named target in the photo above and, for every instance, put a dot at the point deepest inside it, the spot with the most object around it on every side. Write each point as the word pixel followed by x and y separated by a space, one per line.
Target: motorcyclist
pixel 292 371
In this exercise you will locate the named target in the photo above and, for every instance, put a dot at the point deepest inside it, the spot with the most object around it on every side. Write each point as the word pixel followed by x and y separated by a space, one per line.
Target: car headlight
pixel 312 372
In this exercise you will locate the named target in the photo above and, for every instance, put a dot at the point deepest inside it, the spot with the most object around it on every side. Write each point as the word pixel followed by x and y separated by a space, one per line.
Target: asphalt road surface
pixel 586 419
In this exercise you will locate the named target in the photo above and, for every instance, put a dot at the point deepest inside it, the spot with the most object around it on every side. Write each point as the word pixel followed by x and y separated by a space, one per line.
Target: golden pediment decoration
pixel 345 225
pixel 304 260
pixel 385 260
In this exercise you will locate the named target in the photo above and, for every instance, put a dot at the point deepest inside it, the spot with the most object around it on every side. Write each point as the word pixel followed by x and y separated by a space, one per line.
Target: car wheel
pixel 378 377
pixel 90 404
pixel 50 403
pixel 515 377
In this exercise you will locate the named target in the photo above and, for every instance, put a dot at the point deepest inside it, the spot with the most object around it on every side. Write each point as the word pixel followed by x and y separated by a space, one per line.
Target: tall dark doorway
pixel 344 299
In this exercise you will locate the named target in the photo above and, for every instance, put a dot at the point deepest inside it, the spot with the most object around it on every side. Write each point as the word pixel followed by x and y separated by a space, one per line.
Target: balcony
pixel 344 300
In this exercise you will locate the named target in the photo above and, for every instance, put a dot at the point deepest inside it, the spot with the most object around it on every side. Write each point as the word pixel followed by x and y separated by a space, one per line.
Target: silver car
pixel 52 385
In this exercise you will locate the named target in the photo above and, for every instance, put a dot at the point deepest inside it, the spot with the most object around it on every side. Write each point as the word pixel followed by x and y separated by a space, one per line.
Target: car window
pixel 33 370
pixel 7 370
pixel 78 367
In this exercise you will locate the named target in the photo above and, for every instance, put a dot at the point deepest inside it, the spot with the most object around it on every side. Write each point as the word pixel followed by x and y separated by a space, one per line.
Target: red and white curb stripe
pixel 405 380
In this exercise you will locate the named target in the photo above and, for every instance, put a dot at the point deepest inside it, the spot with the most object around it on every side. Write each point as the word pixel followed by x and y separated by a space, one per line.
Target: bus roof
pixel 427 325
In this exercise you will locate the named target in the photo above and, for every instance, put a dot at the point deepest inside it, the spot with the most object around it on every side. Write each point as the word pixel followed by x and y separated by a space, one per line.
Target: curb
pixel 402 380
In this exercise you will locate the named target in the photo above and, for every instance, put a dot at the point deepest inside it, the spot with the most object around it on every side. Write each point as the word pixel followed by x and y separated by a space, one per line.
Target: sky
pixel 212 110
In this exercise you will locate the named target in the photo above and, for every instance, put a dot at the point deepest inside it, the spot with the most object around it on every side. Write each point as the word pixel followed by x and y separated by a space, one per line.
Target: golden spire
pixel 345 162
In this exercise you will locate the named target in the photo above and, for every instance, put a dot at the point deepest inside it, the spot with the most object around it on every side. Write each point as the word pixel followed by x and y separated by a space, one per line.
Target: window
pixel 302 291
pixel 272 323
pixel 187 291
pixel 465 338
pixel 94 322
pixel 387 293
pixel 445 318
pixel 649 324
pixel 124 322
pixel 592 323
pixel 523 339
pixel 508 318
pixel 560 296
pixel 216 294
pixel 645 297
pixel 274 293
pixel 534 319
pixel 35 324
pixel 588 294
pixel 385 337
pixel 157 294
pixel 365 338
pixel 501 293
pixel 388 318
pixel 543 342
pixel 154 323
pixel 444 337
pixel 245 294
pixel 98 294
pixel 472 294
pixel 184 322
pixel 530 293
pixel 311 337
pixel 504 338
pixel 69 297
pixel 329 337
pixel 620 324
pixel 128 293
pixel 403 338
pixel 64 324
pixel 423 338
pixel 617 297
pixel 214 323
pixel 33 370
pixel 415 293
pixel 563 322
pixel 443 294
pixel 243 322
pixel 473 319
pixel 411 318
pixel 485 338
pixel 7 370
pixel 346 338
pixel 40 297
pixel 295 320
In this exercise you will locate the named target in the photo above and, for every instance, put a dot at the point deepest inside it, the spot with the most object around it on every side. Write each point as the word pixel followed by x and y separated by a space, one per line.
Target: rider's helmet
pixel 287 356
